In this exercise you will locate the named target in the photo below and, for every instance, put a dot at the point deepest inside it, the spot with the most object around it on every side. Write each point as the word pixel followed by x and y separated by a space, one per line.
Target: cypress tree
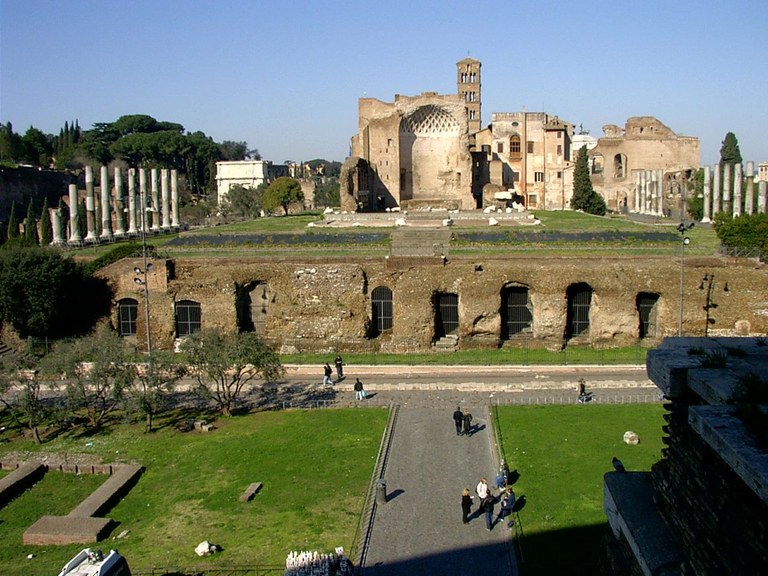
pixel 67 142
pixel 46 229
pixel 584 196
pixel 30 227
pixel 13 223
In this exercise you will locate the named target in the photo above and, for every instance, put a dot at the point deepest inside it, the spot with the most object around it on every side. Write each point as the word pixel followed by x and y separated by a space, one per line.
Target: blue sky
pixel 285 76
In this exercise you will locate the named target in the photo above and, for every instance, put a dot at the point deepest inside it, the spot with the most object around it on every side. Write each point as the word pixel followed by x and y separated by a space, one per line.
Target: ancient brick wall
pixel 318 304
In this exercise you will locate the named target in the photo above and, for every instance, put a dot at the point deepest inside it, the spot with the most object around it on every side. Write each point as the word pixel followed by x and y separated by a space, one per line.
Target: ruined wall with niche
pixel 322 306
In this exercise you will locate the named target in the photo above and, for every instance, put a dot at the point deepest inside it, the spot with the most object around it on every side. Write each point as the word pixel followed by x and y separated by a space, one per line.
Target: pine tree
pixel 30 227
pixel 46 229
pixel 13 223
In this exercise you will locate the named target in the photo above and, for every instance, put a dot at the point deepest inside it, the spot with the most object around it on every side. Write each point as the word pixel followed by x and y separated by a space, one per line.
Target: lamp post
pixel 142 280
pixel 682 228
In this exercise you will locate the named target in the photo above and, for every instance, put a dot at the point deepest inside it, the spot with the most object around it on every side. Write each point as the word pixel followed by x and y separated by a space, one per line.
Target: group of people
pixel 360 393
pixel 328 371
pixel 487 502
pixel 463 421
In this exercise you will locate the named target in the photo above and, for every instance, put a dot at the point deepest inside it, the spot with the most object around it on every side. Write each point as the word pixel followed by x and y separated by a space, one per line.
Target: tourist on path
pixel 466 505
pixel 507 504
pixel 327 375
pixel 458 418
pixel 482 490
pixel 487 507
pixel 467 422
pixel 359 392
pixel 339 367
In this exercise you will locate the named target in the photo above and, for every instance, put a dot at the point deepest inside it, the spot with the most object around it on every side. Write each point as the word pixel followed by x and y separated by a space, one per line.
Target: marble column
pixel 737 184
pixel 707 194
pixel 155 210
pixel 660 194
pixel 142 211
pixel 165 195
pixel 132 230
pixel 58 237
pixel 106 210
pixel 643 192
pixel 716 205
pixel 762 197
pixel 727 181
pixel 74 232
pixel 636 202
pixel 90 206
pixel 119 203
pixel 749 189
pixel 174 198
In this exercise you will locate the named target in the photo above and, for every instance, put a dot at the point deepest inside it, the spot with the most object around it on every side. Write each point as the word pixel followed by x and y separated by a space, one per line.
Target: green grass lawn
pixel 315 465
pixel 561 454
pixel 633 355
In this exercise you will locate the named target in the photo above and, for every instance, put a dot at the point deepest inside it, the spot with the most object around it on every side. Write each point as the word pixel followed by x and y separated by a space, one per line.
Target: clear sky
pixel 285 76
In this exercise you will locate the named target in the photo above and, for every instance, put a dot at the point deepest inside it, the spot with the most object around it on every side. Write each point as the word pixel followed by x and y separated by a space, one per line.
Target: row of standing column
pixel 648 192
pixel 155 209
pixel 733 203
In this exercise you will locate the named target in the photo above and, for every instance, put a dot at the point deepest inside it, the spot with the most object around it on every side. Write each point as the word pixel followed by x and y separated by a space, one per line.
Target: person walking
pixel 358 387
pixel 466 505
pixel 458 418
pixel 467 420
pixel 339 367
pixel 327 375
pixel 486 506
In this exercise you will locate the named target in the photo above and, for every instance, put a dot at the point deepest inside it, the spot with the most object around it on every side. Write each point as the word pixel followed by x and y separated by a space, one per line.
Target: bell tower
pixel 468 87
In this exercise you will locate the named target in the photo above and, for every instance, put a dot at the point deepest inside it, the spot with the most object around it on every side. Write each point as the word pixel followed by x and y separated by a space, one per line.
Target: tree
pixel 37 147
pixel 96 371
pixel 327 192
pixel 729 151
pixel 584 196
pixel 224 363
pixel 152 386
pixel 21 393
pixel 13 223
pixel 30 237
pixel 282 192
pixel 245 202
pixel 746 231
pixel 46 228
pixel 43 293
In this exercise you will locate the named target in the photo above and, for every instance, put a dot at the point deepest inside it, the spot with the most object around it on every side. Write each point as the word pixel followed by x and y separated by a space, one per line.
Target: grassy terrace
pixel 315 465
pixel 560 234
pixel 561 453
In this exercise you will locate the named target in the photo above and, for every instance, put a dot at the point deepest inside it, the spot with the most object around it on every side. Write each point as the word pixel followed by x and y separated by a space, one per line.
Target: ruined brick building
pixel 432 150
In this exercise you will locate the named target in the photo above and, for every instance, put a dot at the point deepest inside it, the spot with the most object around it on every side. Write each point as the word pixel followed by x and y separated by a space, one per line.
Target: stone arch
pixel 647 306
pixel 516 311
pixel 252 301
pixel 579 302
pixel 620 168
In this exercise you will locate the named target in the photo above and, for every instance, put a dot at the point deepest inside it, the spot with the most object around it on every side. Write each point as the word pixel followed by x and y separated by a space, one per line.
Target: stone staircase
pixel 420 242
pixel 448 343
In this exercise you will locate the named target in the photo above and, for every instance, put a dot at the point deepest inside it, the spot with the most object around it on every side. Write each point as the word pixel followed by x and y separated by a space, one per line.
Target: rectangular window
pixel 500 147
pixel 559 149
pixel 559 175
pixel 530 146
pixel 515 146
pixel 538 176
pixel 533 200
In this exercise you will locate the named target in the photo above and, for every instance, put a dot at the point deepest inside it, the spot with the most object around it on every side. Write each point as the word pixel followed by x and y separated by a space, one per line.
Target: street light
pixel 682 228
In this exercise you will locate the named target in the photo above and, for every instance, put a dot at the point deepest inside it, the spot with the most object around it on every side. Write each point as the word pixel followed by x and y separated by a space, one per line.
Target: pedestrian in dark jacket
pixel 467 419
pixel 339 367
pixel 458 418
pixel 466 505
pixel 487 506
pixel 358 387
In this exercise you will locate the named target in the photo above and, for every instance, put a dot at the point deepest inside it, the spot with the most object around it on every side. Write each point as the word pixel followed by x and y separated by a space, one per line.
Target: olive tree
pixel 21 393
pixel 223 364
